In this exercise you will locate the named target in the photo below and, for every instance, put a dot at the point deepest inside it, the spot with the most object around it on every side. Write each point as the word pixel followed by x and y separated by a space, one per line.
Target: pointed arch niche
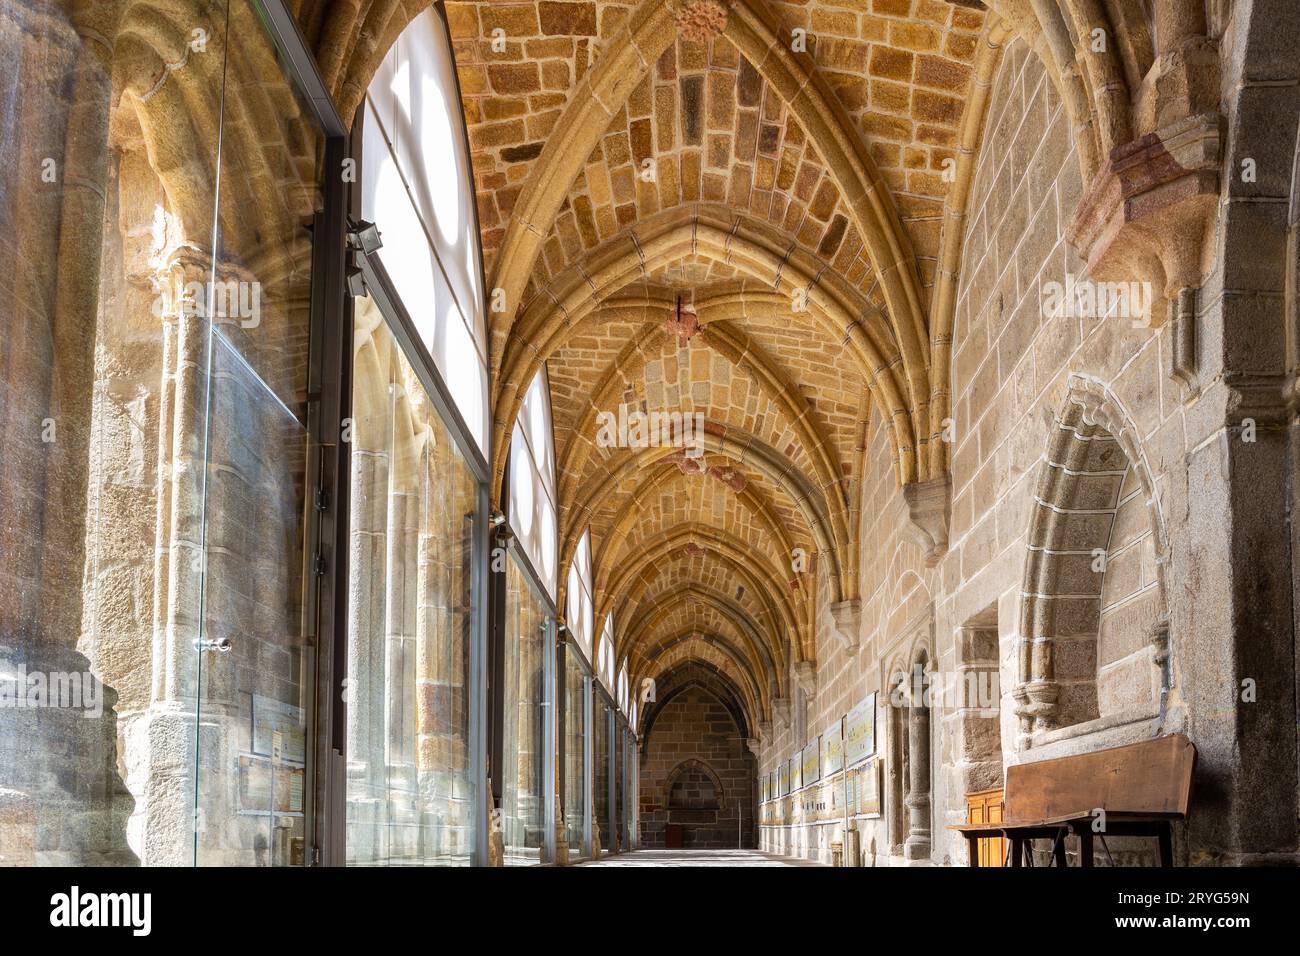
pixel 1094 635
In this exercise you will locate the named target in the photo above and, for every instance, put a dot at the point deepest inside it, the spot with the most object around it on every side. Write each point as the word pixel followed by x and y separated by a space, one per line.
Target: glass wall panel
pixel 532 482
pixel 253 700
pixel 631 794
pixel 411 617
pixel 634 792
pixel 577 692
pixel 600 773
pixel 153 412
pixel 416 185
pixel 523 788
pixel 578 613
pixel 619 811
pixel 73 792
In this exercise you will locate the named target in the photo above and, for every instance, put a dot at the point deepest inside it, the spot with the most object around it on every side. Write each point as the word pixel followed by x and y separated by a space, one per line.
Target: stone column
pixel 399 640
pixel 165 772
pixel 61 799
pixel 916 848
pixel 1232 633
pixel 367 594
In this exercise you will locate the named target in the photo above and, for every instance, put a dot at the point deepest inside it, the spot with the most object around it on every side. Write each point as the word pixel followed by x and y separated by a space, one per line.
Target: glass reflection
pixel 524 753
pixel 577 692
pixel 600 775
pixel 410 798
pixel 252 698
pixel 152 441
pixel 416 185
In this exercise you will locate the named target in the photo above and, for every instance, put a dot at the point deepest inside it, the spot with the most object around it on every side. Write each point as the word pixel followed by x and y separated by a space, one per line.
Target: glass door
pixel 251 661
pixel 528 626
pixel 600 780
pixel 617 844
pixel 577 715
pixel 413 618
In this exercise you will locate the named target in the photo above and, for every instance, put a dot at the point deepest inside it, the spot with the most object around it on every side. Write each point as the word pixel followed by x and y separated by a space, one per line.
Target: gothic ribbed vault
pixel 796 173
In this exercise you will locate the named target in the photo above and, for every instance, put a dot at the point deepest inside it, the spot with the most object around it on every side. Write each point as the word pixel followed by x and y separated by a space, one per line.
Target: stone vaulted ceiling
pixel 796 172
pixel 782 168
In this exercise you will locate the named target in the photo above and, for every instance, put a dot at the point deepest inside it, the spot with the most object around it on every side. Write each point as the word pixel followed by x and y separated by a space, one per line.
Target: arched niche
pixel 693 788
pixel 1094 635
pixel 908 738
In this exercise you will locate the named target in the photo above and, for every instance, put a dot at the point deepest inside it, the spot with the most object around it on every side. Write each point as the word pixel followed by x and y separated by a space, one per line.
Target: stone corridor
pixel 694 858
pixel 646 432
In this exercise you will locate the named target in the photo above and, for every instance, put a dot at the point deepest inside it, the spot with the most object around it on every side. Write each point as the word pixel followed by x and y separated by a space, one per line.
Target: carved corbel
pixel 753 743
pixel 929 505
pixel 848 618
pixel 781 707
pixel 1145 218
pixel 805 674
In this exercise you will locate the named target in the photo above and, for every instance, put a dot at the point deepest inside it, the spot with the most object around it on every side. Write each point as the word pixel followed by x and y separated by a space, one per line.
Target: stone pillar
pixel 366 601
pixel 916 848
pixel 400 649
pixel 165 774
pixel 61 798
pixel 1232 638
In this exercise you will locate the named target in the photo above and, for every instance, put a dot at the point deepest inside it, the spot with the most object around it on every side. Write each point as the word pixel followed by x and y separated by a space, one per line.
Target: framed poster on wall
pixel 860 732
pixel 796 773
pixel 867 787
pixel 812 762
pixel 833 748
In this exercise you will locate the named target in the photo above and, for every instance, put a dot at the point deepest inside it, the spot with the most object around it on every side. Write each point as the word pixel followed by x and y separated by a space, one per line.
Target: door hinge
pixel 320 567
pixel 322 499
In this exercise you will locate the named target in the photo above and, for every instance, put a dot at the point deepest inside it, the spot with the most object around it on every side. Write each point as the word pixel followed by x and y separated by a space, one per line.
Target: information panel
pixel 812 762
pixel 860 731
pixel 833 748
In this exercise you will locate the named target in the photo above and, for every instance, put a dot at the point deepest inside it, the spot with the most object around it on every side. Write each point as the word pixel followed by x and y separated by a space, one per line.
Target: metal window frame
pixel 588 771
pixel 400 324
pixel 514 551
pixel 599 691
pixel 329 369
pixel 330 391
pixel 567 650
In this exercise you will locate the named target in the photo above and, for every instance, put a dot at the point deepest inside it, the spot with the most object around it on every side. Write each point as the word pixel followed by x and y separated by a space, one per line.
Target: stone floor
pixel 699 858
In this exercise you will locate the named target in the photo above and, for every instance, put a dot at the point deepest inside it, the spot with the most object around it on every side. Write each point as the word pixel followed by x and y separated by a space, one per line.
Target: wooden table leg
pixel 1165 836
pixel 1058 848
pixel 1017 849
pixel 1085 845
pixel 972 850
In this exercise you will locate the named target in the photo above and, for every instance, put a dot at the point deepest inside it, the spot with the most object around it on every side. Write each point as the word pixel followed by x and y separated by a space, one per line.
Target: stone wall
pixel 1075 473
pixel 152 493
pixel 696 773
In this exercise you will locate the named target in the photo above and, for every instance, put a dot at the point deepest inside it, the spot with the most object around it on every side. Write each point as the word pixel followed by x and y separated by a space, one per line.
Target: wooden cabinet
pixel 987 807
